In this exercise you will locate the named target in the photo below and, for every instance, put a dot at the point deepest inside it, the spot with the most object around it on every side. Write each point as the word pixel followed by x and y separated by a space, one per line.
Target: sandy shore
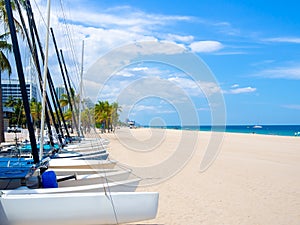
pixel 254 180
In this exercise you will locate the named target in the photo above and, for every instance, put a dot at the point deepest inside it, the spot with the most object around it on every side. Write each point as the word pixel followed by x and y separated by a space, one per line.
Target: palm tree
pixel 36 111
pixel 68 116
pixel 18 117
pixel 4 18
pixel 64 101
pixel 107 115
pixel 101 114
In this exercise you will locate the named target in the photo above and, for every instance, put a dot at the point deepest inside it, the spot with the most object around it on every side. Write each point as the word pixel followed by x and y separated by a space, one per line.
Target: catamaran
pixel 36 197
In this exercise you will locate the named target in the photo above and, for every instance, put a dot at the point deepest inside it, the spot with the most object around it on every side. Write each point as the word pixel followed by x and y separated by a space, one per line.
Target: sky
pixel 236 62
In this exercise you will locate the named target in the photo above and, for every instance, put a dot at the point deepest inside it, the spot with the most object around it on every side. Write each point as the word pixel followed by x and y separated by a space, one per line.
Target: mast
pixel 80 93
pixel 59 112
pixel 19 66
pixel 32 47
pixel 70 88
pixel 45 80
pixel 64 79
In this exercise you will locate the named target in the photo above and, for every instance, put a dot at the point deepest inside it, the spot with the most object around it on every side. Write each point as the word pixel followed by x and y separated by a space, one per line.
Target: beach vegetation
pixel 106 115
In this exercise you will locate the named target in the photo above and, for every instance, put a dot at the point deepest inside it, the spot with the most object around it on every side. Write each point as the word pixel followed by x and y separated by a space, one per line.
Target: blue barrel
pixel 49 179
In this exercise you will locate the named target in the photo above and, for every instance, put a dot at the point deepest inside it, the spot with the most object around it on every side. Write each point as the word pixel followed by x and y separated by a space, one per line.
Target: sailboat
pixel 63 205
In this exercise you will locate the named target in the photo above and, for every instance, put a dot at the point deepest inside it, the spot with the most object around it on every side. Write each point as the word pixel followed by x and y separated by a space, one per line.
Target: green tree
pixel 68 116
pixel 4 18
pixel 18 117
pixel 36 112
pixel 101 114
pixel 64 101
pixel 106 115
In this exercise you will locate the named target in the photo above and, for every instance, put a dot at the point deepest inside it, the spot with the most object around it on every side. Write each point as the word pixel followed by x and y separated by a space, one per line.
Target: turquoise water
pixel 281 130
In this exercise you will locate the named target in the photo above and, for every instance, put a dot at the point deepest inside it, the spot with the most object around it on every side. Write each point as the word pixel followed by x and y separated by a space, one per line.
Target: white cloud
pixel 120 18
pixel 184 82
pixel 209 88
pixel 231 53
pixel 140 69
pixel 196 88
pixel 138 108
pixel 205 46
pixel 295 40
pixel 242 90
pixel 297 107
pixel 105 30
pixel 292 72
pixel 263 62
pixel 112 90
pixel 175 37
pixel 226 28
pixel 129 17
pixel 91 87
pixel 235 86
pixel 124 73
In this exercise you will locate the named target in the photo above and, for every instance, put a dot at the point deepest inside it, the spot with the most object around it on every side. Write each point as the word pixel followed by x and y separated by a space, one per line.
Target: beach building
pixel 11 88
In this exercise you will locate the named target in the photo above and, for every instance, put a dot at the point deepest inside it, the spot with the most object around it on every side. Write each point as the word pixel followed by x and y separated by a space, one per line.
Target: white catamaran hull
pixel 66 172
pixel 81 164
pixel 87 149
pixel 117 186
pixel 95 178
pixel 78 208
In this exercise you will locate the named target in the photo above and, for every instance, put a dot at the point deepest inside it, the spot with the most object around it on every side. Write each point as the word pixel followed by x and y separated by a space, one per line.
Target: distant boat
pixel 257 127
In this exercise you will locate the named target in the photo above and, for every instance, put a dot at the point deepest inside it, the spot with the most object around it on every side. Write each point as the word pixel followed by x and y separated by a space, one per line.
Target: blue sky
pixel 251 47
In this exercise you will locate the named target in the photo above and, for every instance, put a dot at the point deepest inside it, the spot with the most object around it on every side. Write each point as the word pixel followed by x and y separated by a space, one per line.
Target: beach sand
pixel 255 179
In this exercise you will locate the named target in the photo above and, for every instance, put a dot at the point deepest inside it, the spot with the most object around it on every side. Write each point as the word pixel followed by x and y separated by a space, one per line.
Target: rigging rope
pixel 71 43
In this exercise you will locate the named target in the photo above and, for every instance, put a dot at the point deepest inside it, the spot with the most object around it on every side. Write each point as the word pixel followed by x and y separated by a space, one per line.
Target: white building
pixel 11 88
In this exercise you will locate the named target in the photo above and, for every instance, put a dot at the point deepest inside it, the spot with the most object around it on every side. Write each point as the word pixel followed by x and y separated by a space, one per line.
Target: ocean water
pixel 281 130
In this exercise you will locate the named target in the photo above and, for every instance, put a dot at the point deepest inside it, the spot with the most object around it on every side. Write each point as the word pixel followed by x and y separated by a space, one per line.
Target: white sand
pixel 254 180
